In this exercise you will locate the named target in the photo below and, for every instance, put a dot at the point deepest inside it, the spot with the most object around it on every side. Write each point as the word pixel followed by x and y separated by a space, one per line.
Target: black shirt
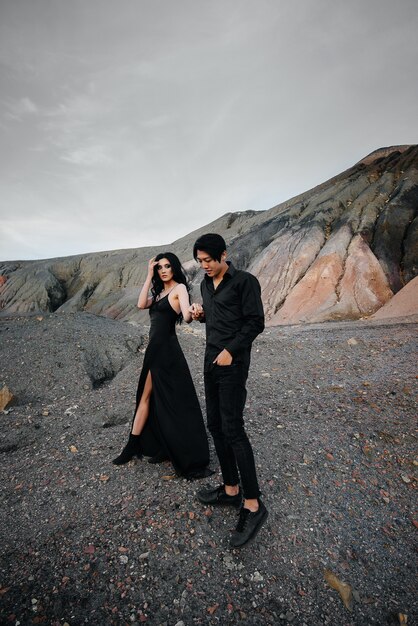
pixel 234 314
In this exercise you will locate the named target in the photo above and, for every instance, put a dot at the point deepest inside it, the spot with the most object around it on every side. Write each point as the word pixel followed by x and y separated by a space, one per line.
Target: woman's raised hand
pixel 151 264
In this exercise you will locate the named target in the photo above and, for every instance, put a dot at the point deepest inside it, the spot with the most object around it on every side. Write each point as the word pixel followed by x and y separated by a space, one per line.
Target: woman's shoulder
pixel 180 288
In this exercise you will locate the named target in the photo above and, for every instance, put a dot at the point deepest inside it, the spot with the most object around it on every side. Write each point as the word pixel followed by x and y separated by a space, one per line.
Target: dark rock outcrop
pixel 338 251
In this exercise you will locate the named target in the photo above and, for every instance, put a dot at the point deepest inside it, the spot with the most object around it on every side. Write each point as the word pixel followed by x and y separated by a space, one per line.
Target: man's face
pixel 211 267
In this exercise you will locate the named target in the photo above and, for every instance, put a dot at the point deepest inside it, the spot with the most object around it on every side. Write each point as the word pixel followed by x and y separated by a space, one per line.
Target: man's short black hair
pixel 211 243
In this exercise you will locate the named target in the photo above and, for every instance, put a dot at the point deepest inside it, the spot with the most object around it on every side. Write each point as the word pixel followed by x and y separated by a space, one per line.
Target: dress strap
pixel 167 294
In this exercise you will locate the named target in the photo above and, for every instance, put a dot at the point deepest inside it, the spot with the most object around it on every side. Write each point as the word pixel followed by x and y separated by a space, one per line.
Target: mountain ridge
pixel 337 251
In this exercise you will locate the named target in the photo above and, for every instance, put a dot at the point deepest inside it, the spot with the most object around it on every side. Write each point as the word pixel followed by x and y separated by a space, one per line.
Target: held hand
pixel 197 311
pixel 223 358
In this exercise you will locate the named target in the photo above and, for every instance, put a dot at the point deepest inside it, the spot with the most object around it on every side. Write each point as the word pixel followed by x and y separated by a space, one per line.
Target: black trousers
pixel 225 401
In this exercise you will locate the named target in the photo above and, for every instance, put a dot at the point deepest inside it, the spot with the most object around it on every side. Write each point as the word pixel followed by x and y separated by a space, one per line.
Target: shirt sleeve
pixel 252 315
pixel 202 321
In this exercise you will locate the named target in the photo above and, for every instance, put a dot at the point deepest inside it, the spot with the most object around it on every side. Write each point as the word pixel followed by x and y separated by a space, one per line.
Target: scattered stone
pixel 352 341
pixel 6 397
pixel 67 519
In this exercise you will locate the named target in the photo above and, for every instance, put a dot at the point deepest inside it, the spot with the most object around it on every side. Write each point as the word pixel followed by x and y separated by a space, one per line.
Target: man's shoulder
pixel 245 273
pixel 245 276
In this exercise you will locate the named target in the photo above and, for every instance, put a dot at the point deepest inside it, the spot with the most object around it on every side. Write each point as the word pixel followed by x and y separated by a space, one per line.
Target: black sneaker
pixel 217 497
pixel 248 525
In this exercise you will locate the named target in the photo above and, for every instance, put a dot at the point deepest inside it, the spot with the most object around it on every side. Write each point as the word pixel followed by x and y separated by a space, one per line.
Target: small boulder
pixel 6 397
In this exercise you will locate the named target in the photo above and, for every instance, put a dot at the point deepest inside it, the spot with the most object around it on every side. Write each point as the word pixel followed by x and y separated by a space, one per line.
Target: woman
pixel 168 422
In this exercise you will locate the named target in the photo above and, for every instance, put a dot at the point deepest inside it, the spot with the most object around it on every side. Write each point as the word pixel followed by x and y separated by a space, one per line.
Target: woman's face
pixel 164 270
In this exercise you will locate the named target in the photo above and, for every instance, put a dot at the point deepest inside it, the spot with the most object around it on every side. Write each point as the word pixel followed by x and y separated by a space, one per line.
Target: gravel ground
pixel 331 414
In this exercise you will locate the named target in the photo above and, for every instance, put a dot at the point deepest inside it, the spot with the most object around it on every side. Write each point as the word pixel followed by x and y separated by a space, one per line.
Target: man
pixel 234 316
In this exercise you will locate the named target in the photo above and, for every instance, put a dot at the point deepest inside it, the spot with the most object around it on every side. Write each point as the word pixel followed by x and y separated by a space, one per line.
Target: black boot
pixel 130 450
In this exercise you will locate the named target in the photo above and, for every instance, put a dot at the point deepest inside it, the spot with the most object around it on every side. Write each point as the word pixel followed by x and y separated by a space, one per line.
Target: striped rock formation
pixel 339 251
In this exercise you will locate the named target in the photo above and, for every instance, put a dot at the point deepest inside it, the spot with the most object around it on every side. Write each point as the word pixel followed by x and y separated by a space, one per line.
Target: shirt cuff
pixel 231 350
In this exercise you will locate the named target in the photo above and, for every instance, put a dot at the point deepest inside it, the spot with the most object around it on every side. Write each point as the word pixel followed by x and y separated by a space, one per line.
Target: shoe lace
pixel 243 516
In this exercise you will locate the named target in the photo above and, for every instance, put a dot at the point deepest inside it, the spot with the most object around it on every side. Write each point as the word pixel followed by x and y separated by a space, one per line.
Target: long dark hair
pixel 157 285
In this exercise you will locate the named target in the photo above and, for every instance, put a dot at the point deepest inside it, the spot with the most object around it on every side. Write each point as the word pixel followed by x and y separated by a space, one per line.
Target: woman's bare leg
pixel 142 411
pixel 133 447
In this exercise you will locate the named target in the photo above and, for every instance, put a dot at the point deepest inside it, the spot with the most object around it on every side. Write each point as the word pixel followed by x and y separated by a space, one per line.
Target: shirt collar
pixel 231 271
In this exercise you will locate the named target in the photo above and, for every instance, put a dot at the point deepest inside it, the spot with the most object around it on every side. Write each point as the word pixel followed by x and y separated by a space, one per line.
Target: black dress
pixel 175 424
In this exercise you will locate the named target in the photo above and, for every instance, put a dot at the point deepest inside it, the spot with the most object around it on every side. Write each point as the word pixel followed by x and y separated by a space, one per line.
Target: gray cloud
pixel 131 125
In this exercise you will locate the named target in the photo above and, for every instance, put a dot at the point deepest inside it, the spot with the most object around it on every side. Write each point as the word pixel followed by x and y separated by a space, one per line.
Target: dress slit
pixel 141 392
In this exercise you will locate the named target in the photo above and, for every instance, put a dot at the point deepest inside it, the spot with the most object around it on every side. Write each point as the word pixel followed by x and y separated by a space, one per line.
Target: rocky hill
pixel 338 251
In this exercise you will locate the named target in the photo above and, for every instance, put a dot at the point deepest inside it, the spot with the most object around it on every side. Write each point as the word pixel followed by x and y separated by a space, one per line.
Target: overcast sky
pixel 132 122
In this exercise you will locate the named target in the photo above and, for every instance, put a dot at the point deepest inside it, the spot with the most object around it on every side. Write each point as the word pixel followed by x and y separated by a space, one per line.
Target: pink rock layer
pixel 403 304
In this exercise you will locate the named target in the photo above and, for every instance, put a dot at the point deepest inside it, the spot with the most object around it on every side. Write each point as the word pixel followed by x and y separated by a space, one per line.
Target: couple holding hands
pixel 168 422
